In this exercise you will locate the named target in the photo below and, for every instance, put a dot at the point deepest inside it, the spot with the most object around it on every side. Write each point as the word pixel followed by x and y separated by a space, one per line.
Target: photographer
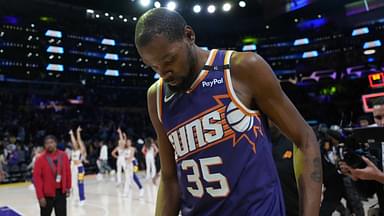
pixel 337 186
pixel 371 172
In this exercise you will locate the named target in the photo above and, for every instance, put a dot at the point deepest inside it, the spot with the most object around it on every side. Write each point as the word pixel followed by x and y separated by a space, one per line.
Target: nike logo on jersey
pixel 213 82
pixel 166 99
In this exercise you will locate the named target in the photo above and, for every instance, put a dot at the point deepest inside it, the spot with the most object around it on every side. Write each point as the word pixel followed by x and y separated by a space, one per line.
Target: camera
pixel 360 142
pixel 365 142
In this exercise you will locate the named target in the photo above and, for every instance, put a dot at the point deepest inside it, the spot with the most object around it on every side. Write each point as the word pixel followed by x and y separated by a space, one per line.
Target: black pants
pixel 59 203
pixel 380 197
pixel 332 197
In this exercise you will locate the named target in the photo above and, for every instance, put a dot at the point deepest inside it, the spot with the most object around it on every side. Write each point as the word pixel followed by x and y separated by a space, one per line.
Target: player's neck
pixel 202 57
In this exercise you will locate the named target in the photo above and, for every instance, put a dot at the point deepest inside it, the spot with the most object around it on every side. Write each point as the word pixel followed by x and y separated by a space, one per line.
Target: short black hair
pixel 378 101
pixel 159 21
pixel 364 117
pixel 50 137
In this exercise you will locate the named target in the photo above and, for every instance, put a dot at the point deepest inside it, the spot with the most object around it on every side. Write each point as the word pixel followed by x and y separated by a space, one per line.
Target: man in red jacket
pixel 52 179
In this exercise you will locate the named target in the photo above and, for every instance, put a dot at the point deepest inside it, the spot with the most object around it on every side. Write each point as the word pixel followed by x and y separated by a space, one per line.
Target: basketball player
pixel 215 157
pixel 78 154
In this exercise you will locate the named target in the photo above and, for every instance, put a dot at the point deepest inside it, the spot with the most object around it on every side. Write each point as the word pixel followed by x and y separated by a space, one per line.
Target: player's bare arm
pixel 255 83
pixel 168 198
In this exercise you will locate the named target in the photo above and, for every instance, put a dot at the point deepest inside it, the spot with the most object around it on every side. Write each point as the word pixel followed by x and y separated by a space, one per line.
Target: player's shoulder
pixel 248 67
pixel 152 90
pixel 152 96
pixel 244 60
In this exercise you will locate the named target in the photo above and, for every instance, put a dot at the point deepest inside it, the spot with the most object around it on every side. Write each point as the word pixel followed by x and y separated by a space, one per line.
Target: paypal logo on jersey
pixel 213 82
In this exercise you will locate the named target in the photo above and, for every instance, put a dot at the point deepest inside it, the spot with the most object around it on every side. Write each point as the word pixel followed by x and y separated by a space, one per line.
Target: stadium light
pixel 55 49
pixel 157 4
pixel 211 9
pixel 369 52
pixel 145 3
pixel 110 42
pixel 360 31
pixel 55 67
pixel 171 5
pixel 53 33
pixel 242 4
pixel 250 47
pixel 310 54
pixel 197 8
pixel 110 72
pixel 301 41
pixel 227 7
pixel 372 44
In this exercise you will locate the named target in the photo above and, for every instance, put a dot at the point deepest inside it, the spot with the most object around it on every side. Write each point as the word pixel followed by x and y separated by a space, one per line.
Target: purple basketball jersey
pixel 224 158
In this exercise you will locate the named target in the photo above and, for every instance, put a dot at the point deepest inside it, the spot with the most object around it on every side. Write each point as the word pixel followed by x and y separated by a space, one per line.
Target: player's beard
pixel 186 81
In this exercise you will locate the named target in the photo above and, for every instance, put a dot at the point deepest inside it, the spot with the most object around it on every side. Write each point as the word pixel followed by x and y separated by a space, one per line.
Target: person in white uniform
pixel 78 155
pixel 118 153
pixel 150 150
pixel 129 156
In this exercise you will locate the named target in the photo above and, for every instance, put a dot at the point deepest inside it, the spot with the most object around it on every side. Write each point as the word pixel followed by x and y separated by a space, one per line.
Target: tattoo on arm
pixel 316 174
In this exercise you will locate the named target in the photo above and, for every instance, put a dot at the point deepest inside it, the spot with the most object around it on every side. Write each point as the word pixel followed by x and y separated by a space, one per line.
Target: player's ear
pixel 189 34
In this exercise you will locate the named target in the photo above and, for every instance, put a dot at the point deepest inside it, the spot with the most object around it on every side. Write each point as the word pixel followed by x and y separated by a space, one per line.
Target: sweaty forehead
pixel 158 49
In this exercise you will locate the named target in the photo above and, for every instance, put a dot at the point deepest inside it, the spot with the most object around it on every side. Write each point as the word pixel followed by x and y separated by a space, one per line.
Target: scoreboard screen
pixel 368 100
pixel 376 80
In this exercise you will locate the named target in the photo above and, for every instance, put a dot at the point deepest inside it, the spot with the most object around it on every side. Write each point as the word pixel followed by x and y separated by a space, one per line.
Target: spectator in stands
pixel 378 112
pixel 363 121
pixel 21 153
pixel 2 163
